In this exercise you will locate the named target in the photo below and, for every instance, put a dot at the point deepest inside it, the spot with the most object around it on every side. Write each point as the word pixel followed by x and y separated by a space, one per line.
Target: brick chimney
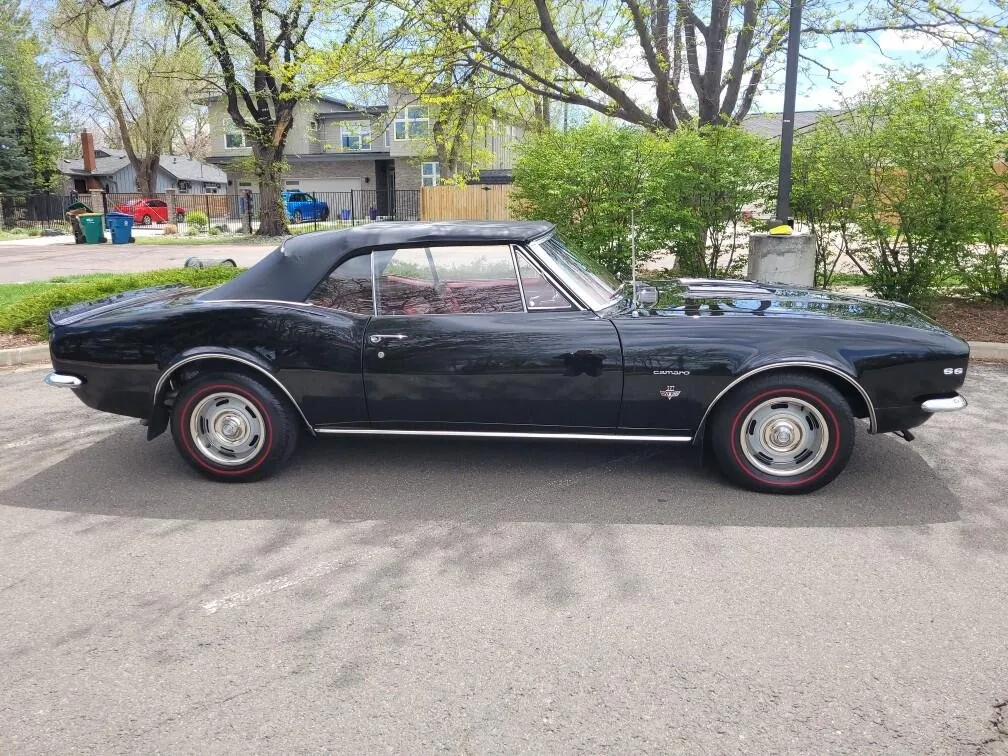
pixel 87 150
pixel 88 155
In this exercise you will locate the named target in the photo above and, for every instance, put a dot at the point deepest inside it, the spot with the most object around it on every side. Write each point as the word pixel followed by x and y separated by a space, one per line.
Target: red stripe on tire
pixel 771 481
pixel 195 455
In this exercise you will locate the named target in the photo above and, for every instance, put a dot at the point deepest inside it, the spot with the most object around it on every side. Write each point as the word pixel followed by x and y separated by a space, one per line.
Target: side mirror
pixel 647 295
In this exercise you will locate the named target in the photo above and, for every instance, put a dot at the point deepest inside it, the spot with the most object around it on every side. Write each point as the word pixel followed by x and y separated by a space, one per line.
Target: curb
pixel 39 353
pixel 26 355
pixel 988 350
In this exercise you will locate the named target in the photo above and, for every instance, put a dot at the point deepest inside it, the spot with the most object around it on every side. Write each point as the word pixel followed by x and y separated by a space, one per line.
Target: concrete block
pixel 788 260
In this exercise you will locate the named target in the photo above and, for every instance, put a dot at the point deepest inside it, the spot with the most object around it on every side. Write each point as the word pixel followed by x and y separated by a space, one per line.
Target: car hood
pixel 711 297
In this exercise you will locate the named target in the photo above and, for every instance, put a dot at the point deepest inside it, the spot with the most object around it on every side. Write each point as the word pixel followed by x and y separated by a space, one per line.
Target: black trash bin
pixel 71 213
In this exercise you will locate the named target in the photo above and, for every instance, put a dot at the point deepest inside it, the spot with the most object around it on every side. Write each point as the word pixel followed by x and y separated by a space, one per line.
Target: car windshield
pixel 595 285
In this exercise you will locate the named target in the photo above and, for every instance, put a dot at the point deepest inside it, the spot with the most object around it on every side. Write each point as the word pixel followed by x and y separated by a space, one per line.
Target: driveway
pixel 414 596
pixel 41 258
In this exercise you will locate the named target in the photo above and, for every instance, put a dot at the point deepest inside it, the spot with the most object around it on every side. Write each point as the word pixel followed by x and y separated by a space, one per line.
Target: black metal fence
pixel 195 214
pixel 35 211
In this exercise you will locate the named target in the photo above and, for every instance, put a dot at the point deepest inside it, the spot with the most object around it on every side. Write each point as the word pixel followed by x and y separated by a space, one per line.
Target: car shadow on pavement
pixel 886 483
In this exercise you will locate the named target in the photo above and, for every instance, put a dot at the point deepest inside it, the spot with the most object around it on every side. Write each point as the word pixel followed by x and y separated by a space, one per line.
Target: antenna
pixel 633 258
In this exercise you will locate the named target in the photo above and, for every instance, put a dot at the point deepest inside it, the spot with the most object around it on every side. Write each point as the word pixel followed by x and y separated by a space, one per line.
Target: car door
pixel 455 344
pixel 158 211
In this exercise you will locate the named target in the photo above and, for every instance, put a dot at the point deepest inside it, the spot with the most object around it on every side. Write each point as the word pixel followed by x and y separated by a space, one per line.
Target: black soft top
pixel 291 271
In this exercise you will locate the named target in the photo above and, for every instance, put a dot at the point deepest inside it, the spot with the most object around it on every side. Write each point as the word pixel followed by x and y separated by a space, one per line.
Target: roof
pixel 178 166
pixel 769 125
pixel 291 271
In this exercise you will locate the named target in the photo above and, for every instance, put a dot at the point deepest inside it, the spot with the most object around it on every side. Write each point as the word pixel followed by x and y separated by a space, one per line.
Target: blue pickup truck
pixel 302 206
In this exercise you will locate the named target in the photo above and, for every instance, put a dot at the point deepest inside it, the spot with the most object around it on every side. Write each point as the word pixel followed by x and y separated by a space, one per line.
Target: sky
pixel 855 66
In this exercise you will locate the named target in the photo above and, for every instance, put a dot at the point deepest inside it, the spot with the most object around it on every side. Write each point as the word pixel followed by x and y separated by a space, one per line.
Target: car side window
pixel 347 288
pixel 447 280
pixel 540 294
pixel 157 203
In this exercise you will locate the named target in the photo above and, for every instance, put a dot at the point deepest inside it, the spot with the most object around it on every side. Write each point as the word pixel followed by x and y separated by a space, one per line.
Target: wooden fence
pixel 464 203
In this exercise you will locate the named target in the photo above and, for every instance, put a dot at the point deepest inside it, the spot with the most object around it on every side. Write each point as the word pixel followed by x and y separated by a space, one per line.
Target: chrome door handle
pixel 378 338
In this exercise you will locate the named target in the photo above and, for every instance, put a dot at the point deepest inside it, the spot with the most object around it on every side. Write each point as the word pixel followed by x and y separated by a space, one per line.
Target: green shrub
pixel 28 314
pixel 686 190
pixel 198 220
pixel 916 164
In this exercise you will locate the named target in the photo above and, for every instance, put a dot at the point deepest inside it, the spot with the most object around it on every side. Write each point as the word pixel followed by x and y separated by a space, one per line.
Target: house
pixel 770 125
pixel 336 146
pixel 110 170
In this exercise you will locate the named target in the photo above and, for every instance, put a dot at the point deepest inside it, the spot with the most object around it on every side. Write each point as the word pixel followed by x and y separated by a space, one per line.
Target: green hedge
pixel 27 313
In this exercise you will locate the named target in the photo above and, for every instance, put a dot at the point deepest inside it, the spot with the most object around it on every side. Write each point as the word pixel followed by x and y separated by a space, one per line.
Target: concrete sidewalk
pixel 46 257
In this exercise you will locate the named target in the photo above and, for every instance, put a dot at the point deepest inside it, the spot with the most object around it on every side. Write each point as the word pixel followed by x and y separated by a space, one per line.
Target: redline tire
pixel 783 433
pixel 230 427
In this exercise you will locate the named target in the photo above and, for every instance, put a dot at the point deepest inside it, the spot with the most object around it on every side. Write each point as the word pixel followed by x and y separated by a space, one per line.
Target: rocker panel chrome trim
pixel 222 356
pixel 503 434
pixel 872 422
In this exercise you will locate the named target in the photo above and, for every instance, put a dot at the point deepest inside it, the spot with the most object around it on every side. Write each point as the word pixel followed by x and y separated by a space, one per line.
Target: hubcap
pixel 227 428
pixel 784 436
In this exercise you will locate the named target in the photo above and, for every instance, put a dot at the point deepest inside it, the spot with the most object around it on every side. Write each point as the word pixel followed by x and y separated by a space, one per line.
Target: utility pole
pixel 787 125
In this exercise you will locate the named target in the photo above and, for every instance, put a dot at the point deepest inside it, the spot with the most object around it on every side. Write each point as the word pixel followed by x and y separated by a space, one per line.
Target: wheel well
pixel 856 402
pixel 176 377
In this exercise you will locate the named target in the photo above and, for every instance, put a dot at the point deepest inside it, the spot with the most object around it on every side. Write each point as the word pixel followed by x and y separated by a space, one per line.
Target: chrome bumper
pixel 945 404
pixel 61 380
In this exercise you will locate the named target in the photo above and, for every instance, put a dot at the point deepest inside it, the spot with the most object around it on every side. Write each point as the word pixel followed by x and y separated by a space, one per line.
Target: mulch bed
pixel 973 321
pixel 10 340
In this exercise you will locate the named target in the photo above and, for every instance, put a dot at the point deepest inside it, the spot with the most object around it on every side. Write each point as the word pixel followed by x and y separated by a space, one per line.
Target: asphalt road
pixel 39 258
pixel 415 596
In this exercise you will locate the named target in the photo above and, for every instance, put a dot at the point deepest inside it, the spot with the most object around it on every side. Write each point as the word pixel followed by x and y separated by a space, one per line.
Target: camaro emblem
pixel 669 392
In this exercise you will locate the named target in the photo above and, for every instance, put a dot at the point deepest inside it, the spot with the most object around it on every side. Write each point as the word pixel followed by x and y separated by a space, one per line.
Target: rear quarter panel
pixel 314 352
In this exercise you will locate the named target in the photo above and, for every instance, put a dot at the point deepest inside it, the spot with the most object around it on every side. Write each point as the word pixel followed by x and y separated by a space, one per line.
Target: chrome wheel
pixel 227 428
pixel 784 436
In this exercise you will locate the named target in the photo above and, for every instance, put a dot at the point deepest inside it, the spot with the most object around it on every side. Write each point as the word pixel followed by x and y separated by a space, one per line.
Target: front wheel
pixel 297 217
pixel 145 221
pixel 231 427
pixel 783 433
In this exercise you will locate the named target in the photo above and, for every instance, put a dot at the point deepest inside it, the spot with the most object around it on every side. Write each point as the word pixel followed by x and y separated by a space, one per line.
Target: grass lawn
pixel 25 307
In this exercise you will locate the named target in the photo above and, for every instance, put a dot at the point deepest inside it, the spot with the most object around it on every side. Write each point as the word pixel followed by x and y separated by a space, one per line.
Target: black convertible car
pixel 502 330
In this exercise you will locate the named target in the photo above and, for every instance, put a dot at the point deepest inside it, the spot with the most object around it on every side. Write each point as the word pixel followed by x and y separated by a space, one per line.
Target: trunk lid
pixel 83 310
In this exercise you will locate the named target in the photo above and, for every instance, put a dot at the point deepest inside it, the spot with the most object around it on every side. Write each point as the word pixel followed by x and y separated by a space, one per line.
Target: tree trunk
pixel 272 213
pixel 146 171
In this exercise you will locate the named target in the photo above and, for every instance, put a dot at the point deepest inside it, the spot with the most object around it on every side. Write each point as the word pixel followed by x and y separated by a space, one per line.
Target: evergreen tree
pixel 15 167
pixel 30 95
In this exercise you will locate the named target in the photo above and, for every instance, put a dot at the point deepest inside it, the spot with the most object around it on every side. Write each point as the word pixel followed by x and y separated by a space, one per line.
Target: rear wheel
pixel 231 427
pixel 297 216
pixel 783 433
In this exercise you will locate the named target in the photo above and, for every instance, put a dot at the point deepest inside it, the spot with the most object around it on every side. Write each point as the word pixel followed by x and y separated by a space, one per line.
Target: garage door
pixel 325 185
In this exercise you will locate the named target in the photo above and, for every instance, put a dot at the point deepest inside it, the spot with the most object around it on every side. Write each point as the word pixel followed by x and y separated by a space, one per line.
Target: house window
pixel 234 137
pixel 355 135
pixel 412 123
pixel 430 174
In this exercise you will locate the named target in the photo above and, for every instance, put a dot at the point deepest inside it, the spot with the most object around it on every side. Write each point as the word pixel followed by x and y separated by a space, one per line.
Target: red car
pixel 148 211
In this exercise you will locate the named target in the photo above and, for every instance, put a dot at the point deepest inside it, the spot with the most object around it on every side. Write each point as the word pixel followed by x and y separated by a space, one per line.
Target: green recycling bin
pixel 91 225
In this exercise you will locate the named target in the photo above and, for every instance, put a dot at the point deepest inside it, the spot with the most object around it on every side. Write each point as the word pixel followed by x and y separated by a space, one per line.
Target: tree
pixel 823 196
pixel 681 192
pixel 266 67
pixel 922 175
pixel 659 63
pixel 146 70
pixel 15 166
pixel 420 57
pixel 31 93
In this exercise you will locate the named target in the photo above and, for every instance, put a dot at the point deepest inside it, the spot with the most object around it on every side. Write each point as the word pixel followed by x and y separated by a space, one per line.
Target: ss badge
pixel 953 371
